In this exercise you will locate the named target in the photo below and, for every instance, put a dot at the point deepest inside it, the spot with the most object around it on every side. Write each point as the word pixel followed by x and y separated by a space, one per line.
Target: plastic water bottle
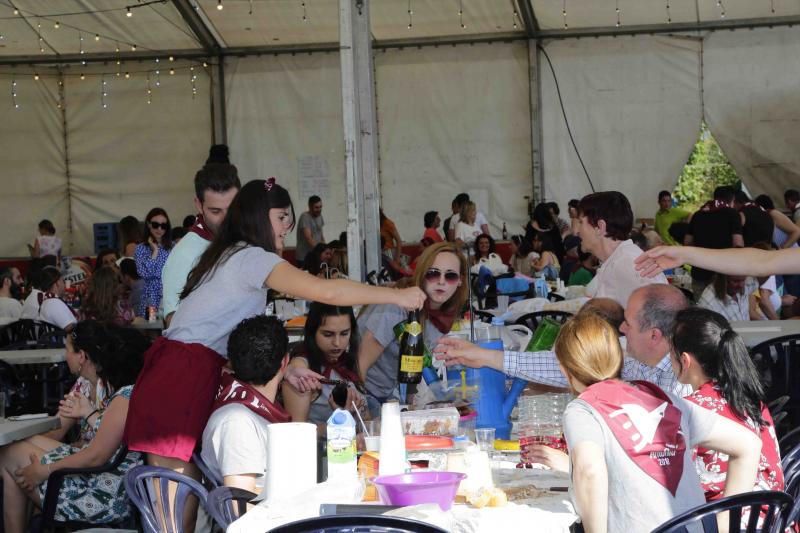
pixel 341 446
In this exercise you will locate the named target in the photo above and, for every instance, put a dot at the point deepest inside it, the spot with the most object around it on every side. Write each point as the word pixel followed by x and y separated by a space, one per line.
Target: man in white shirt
pixel 215 186
pixel 44 303
pixel 605 220
pixel 10 293
pixel 235 437
pixel 646 326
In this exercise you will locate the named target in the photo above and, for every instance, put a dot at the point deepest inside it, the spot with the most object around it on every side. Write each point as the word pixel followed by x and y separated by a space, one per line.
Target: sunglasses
pixel 434 274
pixel 156 225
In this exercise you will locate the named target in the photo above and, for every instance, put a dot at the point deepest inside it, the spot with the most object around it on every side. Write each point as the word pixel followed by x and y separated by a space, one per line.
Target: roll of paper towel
pixel 291 459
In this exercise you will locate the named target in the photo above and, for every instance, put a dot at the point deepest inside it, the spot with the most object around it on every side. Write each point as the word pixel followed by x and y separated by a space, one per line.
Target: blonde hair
pixel 588 349
pixel 456 301
pixel 465 210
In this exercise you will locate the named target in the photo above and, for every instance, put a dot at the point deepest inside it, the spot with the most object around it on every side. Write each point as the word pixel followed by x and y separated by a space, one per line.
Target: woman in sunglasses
pixel 330 348
pixel 441 273
pixel 151 255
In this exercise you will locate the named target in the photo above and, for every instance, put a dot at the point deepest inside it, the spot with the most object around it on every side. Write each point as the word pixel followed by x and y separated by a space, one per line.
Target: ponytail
pixel 723 356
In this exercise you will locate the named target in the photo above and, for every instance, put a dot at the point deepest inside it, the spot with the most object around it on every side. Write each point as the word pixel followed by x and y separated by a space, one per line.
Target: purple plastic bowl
pixel 419 487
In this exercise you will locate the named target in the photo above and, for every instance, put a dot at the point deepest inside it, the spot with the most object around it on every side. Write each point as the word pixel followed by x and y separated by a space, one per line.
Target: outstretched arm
pixel 731 261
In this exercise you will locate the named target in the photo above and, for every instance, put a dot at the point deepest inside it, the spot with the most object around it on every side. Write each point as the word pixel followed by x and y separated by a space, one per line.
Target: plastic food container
pixel 419 487
pixel 439 422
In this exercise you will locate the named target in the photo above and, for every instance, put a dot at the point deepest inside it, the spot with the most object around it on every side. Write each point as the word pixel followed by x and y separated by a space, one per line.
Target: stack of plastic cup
pixel 540 422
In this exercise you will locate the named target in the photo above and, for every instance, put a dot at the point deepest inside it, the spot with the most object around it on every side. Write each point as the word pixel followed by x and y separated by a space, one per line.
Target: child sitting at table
pixel 235 437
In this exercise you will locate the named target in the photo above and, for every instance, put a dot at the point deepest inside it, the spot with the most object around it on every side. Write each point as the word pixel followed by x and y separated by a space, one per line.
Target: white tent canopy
pixel 465 101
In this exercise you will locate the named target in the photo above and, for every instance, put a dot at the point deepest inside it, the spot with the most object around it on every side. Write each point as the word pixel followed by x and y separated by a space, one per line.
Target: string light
pixel 619 22
pixel 172 72
pixel 515 16
pixel 56 25
pixel 158 78
pixel 83 76
pixel 35 76
pixel 133 48
pixel 219 5
pixel 193 78
pixel 171 58
pixel 128 12
pixel 564 14
pixel 103 92
pixel 669 15
pixel 721 7
pixel 127 75
pixel 461 14
pixel 149 92
pixel 251 8
pixel 410 15
pixel 96 36
pixel 305 13
pixel 80 44
pixel 16 11
pixel 39 35
pixel 14 92
pixel 772 6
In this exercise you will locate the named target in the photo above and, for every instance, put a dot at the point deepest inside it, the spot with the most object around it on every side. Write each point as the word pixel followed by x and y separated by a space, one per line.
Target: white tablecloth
pixel 757 331
pixel 12 431
pixel 552 512
pixel 33 357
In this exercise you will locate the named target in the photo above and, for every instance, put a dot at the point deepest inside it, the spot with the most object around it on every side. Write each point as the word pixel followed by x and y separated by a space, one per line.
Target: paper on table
pixel 291 459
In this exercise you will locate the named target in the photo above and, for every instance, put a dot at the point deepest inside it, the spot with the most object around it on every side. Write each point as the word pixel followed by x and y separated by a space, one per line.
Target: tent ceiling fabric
pixel 280 22
pixel 152 27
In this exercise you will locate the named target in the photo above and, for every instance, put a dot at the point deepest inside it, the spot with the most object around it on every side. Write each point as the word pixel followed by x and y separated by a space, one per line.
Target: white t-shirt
pixel 480 220
pixel 181 261
pixel 234 292
pixel 467 233
pixel 10 308
pixel 653 504
pixel 733 308
pixel 235 443
pixel 617 277
pixel 53 311
pixel 774 297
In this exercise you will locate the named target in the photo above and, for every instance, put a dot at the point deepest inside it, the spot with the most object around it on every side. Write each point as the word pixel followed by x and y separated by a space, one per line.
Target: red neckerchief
pixel 442 320
pixel 200 228
pixel 343 371
pixel 232 391
pixel 645 423
pixel 714 205
pixel 43 296
pixel 753 204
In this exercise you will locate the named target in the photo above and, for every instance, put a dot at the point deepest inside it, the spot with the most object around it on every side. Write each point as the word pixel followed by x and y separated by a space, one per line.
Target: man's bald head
pixel 657 305
pixel 607 309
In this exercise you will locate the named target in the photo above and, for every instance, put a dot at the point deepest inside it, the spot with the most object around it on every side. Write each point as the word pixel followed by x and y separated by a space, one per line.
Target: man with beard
pixel 215 185
pixel 10 293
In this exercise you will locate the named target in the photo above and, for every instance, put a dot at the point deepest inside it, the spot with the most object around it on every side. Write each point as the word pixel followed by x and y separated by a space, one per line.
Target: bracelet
pixel 92 413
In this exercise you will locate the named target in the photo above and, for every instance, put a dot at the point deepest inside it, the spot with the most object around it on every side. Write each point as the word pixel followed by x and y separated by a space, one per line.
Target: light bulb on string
pixel 116 48
pixel 171 58
pixel 772 6
pixel 56 25
pixel 80 43
pixel 461 14
pixel 127 75
pixel 219 5
pixel 514 15
pixel 251 8
pixel 669 15
pixel 172 72
pixel 96 36
pixel 14 92
pixel 619 21
pixel 564 14
pixel 721 7
pixel 83 76
pixel 128 12
pixel 410 15
pixel 205 65
pixel 149 92
pixel 158 78
pixel 16 11
pixel 103 92
pixel 36 76
pixel 133 48
pixel 305 14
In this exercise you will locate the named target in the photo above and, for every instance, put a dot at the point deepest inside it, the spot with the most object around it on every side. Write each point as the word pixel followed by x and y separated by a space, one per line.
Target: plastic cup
pixel 484 438
pixel 373 443
pixel 373 427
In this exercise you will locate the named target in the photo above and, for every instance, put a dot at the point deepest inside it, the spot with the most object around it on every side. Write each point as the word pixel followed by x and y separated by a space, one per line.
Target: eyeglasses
pixel 156 225
pixel 434 274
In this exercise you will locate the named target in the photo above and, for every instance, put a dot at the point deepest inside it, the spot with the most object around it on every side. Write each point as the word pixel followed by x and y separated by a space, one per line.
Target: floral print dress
pixel 97 498
pixel 712 466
